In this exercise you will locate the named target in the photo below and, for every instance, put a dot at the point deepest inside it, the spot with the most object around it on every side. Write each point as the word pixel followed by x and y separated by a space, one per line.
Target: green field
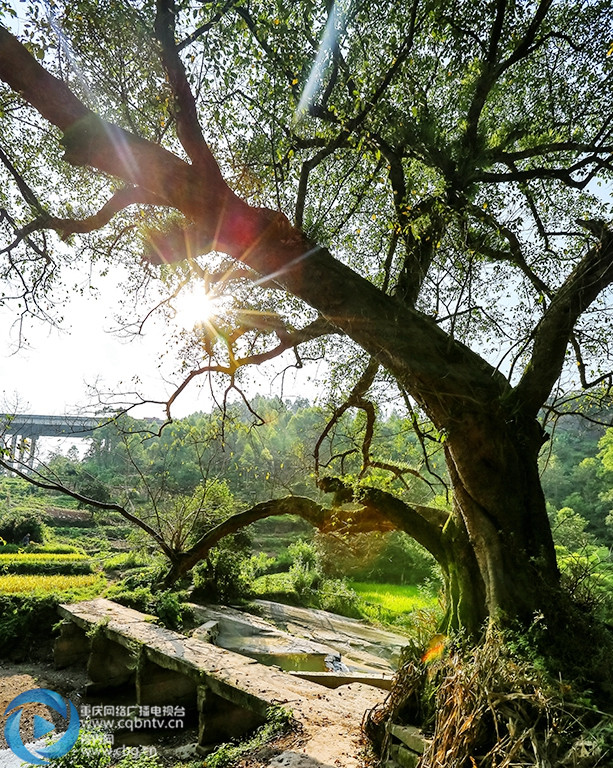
pixel 49 585
pixel 395 598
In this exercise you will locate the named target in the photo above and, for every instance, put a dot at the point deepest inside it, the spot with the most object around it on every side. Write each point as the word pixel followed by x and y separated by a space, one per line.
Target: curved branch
pixel 118 202
pixel 26 191
pixel 290 505
pixel 47 485
pixel 543 172
pixel 515 254
pixel 355 399
pixel 551 148
pixel 380 511
pixel 89 140
pixel 319 327
pixel 592 275
pixel 204 28
pixel 581 367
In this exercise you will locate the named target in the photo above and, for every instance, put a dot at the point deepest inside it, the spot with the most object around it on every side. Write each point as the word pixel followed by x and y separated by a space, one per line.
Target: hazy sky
pixel 53 372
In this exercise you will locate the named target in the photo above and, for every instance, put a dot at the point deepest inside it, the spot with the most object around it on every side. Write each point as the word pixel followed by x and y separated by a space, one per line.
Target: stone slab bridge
pixel 230 693
pixel 26 429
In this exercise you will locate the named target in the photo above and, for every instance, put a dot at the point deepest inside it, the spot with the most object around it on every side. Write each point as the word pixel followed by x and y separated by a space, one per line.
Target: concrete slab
pixel 330 719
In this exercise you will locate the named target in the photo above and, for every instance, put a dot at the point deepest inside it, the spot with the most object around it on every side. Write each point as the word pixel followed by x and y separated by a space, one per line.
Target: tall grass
pixel 44 563
pixel 395 598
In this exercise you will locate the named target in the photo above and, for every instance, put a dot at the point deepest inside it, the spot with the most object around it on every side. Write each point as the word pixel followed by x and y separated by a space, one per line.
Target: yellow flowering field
pixel 43 557
pixel 15 583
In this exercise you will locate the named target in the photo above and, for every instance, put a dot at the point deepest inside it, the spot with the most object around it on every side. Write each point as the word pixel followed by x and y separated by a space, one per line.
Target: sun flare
pixel 193 307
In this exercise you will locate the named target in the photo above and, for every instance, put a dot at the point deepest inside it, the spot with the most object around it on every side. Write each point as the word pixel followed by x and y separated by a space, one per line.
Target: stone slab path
pixel 330 719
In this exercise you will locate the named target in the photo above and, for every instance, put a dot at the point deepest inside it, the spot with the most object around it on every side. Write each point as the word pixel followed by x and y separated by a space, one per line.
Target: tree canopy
pixel 410 187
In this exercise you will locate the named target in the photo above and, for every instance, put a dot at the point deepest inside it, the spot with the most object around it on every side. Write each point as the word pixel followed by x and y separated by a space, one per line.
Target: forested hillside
pixel 227 462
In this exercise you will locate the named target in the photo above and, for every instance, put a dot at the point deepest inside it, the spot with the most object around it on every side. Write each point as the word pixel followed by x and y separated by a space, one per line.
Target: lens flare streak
pixel 335 27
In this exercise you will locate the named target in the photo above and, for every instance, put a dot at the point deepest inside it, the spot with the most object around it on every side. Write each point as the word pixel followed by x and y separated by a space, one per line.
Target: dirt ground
pixel 16 678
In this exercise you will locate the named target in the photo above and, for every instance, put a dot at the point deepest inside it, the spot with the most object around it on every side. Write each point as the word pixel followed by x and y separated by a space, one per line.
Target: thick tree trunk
pixel 502 562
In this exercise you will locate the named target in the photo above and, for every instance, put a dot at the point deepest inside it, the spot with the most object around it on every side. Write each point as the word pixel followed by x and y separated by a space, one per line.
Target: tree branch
pixel 120 200
pixel 553 148
pixel 422 356
pixel 89 140
pixel 355 399
pixel 188 126
pixel 288 339
pixel 382 511
pixel 515 254
pixel 551 336
pixel 26 191
pixel 290 505
pixel 48 485
pixel 204 28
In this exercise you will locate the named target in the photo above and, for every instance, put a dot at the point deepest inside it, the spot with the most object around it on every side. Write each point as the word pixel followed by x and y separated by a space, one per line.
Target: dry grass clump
pixel 491 709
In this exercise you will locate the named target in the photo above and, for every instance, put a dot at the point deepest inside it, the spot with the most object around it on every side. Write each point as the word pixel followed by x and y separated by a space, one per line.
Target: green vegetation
pixel 409 192
pixel 46 585
pixel 93 749
pixel 384 578
pixel 396 599
pixel 46 563
pixel 280 557
pixel 278 721
pixel 28 609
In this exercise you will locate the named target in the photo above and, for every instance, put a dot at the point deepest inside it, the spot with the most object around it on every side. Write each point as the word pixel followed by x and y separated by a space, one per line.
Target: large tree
pixel 415 179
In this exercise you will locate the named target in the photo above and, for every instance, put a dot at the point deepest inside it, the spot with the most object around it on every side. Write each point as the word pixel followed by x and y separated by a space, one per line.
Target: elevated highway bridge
pixel 21 431
pixel 24 430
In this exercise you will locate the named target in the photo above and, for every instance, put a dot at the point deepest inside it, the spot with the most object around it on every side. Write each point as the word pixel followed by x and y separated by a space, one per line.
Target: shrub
pixel 304 552
pixel 28 608
pixel 169 609
pixel 258 565
pixel 24 619
pixel 225 575
pixel 166 605
pixel 17 523
pixel 9 549
pixel 125 560
pixel 93 749
pixel 304 578
pixel 140 760
pixel 279 564
pixel 336 595
pixel 278 721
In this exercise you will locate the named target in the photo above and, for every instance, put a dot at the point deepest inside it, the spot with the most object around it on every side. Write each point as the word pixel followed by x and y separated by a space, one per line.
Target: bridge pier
pixel 157 685
pixel 222 720
pixel 110 664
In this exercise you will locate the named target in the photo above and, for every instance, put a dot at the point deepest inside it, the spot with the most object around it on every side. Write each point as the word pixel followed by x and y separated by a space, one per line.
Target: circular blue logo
pixel 42 727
